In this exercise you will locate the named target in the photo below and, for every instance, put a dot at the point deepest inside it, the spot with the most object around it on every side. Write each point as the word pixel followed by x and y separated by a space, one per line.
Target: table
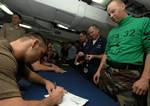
pixel 73 82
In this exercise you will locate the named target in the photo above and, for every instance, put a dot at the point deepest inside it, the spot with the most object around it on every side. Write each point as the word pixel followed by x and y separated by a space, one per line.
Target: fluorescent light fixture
pixel 4 8
pixel 99 1
pixel 1 26
pixel 62 26
pixel 73 30
pixel 25 26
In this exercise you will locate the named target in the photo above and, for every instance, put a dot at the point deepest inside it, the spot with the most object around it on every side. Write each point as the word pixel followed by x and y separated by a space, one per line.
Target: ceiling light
pixel 73 30
pixel 25 26
pixel 1 26
pixel 62 26
pixel 99 1
pixel 4 8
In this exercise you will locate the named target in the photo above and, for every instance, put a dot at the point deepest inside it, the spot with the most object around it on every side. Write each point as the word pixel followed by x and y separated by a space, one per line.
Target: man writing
pixel 13 57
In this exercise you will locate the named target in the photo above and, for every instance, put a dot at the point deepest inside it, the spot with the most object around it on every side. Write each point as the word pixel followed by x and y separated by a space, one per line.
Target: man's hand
pixel 57 69
pixel 57 95
pixel 49 86
pixel 100 68
pixel 80 54
pixel 96 77
pixel 77 61
pixel 140 87
pixel 89 57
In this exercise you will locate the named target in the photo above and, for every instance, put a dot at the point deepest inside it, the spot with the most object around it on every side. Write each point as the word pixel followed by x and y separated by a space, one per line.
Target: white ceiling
pixel 74 14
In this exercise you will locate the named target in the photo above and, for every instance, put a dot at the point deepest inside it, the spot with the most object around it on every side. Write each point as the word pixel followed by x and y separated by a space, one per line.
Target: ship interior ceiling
pixel 49 26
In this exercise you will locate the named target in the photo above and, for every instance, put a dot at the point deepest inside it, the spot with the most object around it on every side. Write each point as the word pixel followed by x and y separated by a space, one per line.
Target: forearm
pixel 45 102
pixel 42 67
pixel 34 77
pixel 50 101
pixel 98 56
pixel 17 101
pixel 103 61
pixel 146 71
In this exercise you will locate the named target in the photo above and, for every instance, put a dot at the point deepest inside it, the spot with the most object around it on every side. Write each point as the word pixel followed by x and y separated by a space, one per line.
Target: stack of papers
pixel 70 99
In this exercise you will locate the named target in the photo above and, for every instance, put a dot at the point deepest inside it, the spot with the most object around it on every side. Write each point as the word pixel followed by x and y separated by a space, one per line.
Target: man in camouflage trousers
pixel 127 56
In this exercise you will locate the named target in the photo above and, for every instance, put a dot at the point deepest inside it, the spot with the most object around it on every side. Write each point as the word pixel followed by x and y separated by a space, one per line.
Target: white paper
pixel 70 99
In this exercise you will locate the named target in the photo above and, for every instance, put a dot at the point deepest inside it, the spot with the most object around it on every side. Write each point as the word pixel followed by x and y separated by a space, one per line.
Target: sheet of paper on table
pixel 70 99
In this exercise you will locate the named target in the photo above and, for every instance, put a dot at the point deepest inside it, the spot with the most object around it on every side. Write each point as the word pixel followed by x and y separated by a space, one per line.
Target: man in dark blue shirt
pixel 93 51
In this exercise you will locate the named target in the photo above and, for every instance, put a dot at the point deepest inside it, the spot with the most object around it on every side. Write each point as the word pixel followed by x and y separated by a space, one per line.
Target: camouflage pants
pixel 118 82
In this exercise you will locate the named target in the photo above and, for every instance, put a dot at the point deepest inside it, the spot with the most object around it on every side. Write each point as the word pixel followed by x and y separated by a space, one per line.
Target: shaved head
pixel 29 48
pixel 118 1
pixel 116 10
pixel 35 36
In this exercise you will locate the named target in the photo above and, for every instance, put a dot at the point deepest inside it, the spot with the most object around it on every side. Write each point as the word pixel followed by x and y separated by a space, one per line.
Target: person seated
pixel 72 50
pixel 51 55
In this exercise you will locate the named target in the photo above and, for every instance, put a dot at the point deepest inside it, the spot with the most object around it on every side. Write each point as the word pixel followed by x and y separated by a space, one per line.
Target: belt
pixel 124 65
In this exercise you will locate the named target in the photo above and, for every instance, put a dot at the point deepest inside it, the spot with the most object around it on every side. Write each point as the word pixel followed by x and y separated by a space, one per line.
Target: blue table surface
pixel 73 82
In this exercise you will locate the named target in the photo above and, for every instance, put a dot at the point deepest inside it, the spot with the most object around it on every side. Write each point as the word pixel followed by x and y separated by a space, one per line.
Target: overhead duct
pixel 74 14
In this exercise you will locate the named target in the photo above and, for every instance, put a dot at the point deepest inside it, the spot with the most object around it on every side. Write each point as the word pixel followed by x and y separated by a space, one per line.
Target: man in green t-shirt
pixel 127 73
pixel 13 56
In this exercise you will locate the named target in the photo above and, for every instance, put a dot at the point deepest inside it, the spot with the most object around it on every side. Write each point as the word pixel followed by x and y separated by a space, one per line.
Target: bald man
pixel 127 44
pixel 13 57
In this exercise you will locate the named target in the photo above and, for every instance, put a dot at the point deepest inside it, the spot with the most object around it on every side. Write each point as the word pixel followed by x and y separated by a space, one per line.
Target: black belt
pixel 124 65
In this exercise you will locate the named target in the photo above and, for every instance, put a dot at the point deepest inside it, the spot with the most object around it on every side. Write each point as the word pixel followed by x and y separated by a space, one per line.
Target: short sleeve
pixel 9 87
pixel 146 35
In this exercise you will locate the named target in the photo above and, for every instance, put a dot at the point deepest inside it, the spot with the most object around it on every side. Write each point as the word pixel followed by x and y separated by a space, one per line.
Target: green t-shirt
pixel 128 42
